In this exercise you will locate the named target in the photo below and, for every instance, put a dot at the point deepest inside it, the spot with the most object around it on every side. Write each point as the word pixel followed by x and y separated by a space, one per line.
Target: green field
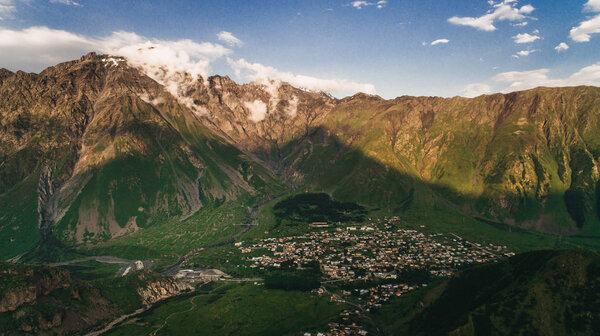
pixel 164 242
pixel 231 309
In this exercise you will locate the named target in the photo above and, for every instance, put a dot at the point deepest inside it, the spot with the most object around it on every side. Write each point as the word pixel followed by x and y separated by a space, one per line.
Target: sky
pixel 386 47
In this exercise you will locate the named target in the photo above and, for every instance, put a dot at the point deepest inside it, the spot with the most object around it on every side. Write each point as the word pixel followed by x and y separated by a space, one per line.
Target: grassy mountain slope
pixel 93 150
pixel 534 293
pixel 50 301
pixel 527 158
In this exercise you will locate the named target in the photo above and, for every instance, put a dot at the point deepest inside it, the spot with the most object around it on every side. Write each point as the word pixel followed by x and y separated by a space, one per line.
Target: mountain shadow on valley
pixel 316 207
pixel 332 165
pixel 536 293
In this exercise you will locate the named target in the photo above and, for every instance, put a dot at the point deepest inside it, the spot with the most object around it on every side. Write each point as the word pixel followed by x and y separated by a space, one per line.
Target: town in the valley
pixel 365 265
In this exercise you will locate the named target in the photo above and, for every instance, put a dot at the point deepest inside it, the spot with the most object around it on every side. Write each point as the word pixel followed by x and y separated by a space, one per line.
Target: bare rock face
pixel 46 300
pixel 13 300
pixel 27 285
pixel 162 289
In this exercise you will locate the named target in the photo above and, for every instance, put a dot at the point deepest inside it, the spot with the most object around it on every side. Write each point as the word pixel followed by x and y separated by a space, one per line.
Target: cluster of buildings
pixel 364 253
pixel 339 329
pixel 377 255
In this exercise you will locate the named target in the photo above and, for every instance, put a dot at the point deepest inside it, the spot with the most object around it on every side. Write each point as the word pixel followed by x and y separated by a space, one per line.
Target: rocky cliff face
pixel 26 285
pixel 45 300
pixel 161 289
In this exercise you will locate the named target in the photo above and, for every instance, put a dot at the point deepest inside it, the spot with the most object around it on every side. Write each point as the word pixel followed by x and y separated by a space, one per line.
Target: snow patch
pixel 113 60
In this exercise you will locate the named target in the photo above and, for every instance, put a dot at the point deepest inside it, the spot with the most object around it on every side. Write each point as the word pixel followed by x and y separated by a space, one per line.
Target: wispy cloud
pixel 166 61
pixel 264 74
pixel 257 109
pixel 7 9
pixel 381 3
pixel 475 90
pixel 525 38
pixel 583 32
pixel 66 2
pixel 506 10
pixel 230 39
pixel 35 48
pixel 440 41
pixel 524 80
pixel 524 53
pixel 360 4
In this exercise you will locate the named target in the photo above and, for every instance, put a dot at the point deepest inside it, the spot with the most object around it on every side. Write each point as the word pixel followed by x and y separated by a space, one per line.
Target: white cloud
pixel 592 6
pixel 360 4
pixel 174 64
pixel 66 2
pixel 523 80
pixel 381 3
pixel 525 38
pixel 586 28
pixel 230 39
pixel 475 90
pixel 524 53
pixel 263 74
pixel 7 8
pixel 521 24
pixel 156 55
pixel 506 10
pixel 258 110
pixel 561 47
pixel 440 41
pixel 35 48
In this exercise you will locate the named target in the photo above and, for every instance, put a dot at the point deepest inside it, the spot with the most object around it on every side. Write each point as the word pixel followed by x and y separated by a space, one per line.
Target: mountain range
pixel 95 149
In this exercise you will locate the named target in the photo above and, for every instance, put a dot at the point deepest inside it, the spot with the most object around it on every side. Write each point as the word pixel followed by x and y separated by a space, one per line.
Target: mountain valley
pixel 102 158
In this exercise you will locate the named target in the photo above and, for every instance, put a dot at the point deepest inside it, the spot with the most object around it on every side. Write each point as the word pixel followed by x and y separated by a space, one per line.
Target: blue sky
pixel 382 47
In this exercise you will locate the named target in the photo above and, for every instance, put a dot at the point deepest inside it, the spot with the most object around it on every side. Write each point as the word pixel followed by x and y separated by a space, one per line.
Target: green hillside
pixel 534 293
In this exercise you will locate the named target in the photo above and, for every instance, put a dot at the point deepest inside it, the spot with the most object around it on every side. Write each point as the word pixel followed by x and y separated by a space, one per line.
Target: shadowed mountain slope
pixel 527 158
pixel 534 293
